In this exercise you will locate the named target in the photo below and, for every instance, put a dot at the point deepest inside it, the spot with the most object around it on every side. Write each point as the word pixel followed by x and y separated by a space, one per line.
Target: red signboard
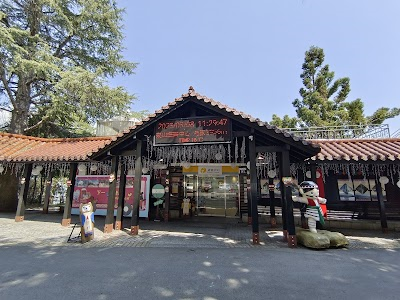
pixel 193 131
pixel 95 188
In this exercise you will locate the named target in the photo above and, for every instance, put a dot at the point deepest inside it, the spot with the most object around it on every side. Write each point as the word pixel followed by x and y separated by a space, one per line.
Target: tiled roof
pixel 20 148
pixel 191 93
pixel 368 150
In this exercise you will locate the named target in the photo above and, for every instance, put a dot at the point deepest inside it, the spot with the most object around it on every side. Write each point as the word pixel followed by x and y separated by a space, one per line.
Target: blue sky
pixel 248 54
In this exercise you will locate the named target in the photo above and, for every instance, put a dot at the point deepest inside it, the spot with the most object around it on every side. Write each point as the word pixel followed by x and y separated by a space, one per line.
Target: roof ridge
pixel 353 140
pixel 41 139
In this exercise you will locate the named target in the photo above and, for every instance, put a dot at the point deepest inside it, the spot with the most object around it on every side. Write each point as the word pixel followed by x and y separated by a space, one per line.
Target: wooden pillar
pixel 166 197
pixel 381 203
pixel 112 188
pixel 283 200
pixel 66 221
pixel 47 193
pixel 288 201
pixel 253 189
pixel 121 198
pixel 271 188
pixel 136 191
pixel 23 193
pixel 248 193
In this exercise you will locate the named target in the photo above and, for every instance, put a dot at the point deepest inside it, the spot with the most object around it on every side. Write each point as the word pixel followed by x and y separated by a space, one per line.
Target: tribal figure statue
pixel 309 194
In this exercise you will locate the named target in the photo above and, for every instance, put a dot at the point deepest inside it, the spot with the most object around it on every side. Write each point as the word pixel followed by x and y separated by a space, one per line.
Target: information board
pixel 94 188
pixel 193 131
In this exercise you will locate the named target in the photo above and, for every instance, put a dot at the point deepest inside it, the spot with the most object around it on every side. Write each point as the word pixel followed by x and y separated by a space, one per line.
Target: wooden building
pixel 220 159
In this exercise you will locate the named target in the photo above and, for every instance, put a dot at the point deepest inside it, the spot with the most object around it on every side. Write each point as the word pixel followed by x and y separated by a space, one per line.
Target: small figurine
pixel 309 194
pixel 87 221
pixel 186 204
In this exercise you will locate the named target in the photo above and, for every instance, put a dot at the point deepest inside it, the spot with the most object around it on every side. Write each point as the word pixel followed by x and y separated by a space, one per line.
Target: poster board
pixel 95 188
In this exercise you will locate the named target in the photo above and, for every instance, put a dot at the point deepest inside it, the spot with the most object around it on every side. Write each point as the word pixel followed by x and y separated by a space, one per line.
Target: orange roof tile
pixel 383 150
pixel 20 148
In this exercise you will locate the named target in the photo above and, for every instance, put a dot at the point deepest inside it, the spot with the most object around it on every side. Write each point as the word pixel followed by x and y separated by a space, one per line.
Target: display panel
pixel 193 130
pixel 95 188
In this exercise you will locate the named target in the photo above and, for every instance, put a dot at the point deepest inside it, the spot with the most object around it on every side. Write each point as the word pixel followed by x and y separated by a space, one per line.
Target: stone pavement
pixel 39 230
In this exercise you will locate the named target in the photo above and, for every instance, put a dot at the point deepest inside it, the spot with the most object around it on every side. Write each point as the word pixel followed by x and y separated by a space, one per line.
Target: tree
pixel 323 99
pixel 55 59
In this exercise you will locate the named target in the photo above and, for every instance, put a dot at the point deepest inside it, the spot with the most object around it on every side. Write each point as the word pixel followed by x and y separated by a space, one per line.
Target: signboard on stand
pixel 94 189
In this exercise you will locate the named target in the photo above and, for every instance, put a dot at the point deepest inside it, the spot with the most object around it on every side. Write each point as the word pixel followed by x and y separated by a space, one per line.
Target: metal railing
pixel 342 132
pixel 396 134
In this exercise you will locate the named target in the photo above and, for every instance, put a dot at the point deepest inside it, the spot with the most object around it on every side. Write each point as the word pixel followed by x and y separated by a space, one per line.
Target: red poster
pixel 94 188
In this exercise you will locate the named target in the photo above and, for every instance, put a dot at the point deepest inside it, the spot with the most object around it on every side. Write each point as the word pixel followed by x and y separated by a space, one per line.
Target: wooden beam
pixel 241 133
pixel 287 202
pixel 254 189
pixel 272 148
pixel 112 187
pixel 381 203
pixel 23 193
pixel 137 191
pixel 272 202
pixel 121 199
pixel 66 221
pixel 47 192
pixel 128 153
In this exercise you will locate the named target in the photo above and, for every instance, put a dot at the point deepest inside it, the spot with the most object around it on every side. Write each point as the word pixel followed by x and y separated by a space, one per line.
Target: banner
pixel 94 188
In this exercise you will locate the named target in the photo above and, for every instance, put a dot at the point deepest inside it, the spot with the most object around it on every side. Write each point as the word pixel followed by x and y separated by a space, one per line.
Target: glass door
pixel 211 196
pixel 232 196
pixel 214 195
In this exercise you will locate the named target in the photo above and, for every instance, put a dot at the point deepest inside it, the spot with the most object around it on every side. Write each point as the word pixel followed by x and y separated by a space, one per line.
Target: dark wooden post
pixel 166 181
pixel 47 193
pixel 121 198
pixel 271 188
pixel 112 189
pixel 283 200
pixel 23 193
pixel 253 188
pixel 66 221
pixel 136 192
pixel 288 201
pixel 248 193
pixel 381 203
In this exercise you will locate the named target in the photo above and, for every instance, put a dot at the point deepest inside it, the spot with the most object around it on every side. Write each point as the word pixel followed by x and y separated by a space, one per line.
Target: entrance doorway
pixel 213 195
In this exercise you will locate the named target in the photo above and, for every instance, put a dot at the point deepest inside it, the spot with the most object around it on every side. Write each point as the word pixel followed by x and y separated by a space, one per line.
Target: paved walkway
pixel 39 230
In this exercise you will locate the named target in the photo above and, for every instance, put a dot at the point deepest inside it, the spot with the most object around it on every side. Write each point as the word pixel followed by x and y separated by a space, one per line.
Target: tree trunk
pixel 20 113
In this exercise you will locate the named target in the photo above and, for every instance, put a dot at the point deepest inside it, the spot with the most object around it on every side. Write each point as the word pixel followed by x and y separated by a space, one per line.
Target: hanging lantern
pixel 383 180
pixel 1 169
pixel 145 170
pixel 308 174
pixel 318 174
pixel 36 171
pixel 82 169
pixel 398 183
pixel 93 168
pixel 218 156
pixel 271 173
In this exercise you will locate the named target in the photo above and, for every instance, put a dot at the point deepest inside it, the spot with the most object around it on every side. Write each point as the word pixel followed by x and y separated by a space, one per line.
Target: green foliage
pixel 286 122
pixel 55 58
pixel 322 101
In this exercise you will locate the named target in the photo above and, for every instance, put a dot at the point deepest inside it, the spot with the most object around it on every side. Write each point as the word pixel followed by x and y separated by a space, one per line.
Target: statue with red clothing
pixel 316 205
